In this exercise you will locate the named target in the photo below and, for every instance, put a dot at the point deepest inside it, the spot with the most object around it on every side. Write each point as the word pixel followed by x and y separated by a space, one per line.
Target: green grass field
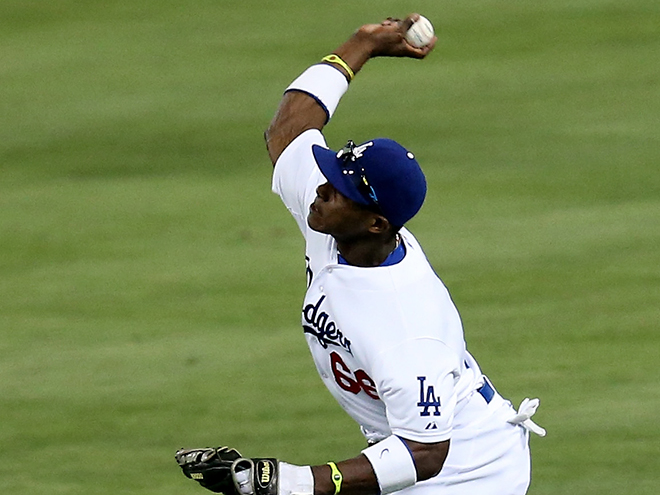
pixel 150 283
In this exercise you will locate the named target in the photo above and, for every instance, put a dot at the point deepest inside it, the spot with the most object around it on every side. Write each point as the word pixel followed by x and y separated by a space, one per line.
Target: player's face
pixel 334 214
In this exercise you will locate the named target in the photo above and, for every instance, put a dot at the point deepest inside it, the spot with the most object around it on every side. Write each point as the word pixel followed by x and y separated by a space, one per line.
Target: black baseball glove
pixel 223 470
pixel 211 468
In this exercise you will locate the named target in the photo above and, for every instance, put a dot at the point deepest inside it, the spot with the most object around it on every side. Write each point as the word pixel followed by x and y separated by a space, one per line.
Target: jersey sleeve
pixel 417 383
pixel 296 175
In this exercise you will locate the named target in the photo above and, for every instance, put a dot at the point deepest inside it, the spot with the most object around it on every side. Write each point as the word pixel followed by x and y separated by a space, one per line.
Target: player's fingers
pixel 391 21
pixel 431 45
pixel 409 21
pixel 423 51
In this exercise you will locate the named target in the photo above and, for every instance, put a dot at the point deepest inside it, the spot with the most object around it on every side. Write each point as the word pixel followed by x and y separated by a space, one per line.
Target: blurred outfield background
pixel 150 284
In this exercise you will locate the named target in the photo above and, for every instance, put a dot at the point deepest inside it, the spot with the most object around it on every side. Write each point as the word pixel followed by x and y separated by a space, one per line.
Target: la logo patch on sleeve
pixel 427 399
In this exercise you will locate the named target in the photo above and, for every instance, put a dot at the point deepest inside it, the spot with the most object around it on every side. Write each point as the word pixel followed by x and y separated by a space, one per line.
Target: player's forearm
pixel 359 475
pixel 356 52
pixel 358 478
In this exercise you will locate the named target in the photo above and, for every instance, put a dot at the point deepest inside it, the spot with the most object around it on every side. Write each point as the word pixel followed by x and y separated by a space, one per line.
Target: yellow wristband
pixel 337 478
pixel 336 59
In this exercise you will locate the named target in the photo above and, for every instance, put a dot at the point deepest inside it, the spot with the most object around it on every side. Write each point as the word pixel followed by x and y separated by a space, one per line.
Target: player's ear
pixel 379 224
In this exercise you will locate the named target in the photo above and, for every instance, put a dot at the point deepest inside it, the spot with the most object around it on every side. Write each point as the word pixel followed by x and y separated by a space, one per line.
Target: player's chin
pixel 315 222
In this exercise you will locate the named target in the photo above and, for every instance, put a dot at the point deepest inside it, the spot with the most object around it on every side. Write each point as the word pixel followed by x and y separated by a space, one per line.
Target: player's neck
pixel 367 252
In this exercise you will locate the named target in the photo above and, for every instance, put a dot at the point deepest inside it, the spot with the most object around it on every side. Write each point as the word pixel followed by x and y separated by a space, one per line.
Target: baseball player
pixel 382 329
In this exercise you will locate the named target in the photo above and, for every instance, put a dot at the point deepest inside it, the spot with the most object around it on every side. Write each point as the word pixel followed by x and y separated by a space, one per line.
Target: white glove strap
pixel 525 412
pixel 324 83
pixel 393 464
pixel 295 480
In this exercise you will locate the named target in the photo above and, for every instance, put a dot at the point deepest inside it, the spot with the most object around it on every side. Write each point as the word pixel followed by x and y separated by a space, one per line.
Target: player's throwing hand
pixel 388 39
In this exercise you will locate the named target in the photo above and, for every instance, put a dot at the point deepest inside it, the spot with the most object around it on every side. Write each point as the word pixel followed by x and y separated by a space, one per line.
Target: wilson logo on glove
pixel 264 470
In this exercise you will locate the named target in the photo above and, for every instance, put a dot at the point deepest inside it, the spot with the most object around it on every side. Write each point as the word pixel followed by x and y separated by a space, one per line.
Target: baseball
pixel 420 33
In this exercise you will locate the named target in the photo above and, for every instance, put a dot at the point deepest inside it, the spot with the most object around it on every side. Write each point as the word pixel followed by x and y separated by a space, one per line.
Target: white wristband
pixel 295 480
pixel 324 83
pixel 393 464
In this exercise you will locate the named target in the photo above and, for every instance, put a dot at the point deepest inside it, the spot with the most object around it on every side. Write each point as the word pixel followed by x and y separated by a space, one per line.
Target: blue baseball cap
pixel 379 173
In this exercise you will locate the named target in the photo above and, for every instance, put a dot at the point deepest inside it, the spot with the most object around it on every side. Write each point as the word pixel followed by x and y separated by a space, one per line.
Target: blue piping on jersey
pixel 392 259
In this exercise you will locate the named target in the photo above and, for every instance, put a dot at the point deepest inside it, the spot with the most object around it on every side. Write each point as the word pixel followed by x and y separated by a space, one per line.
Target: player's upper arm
pixel 417 382
pixel 297 113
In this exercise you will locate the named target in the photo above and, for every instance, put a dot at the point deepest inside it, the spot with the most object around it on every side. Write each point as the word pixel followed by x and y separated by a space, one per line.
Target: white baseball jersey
pixel 387 341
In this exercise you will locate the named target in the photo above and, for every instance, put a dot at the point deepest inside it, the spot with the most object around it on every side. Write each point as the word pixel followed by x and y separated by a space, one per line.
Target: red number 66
pixel 349 381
